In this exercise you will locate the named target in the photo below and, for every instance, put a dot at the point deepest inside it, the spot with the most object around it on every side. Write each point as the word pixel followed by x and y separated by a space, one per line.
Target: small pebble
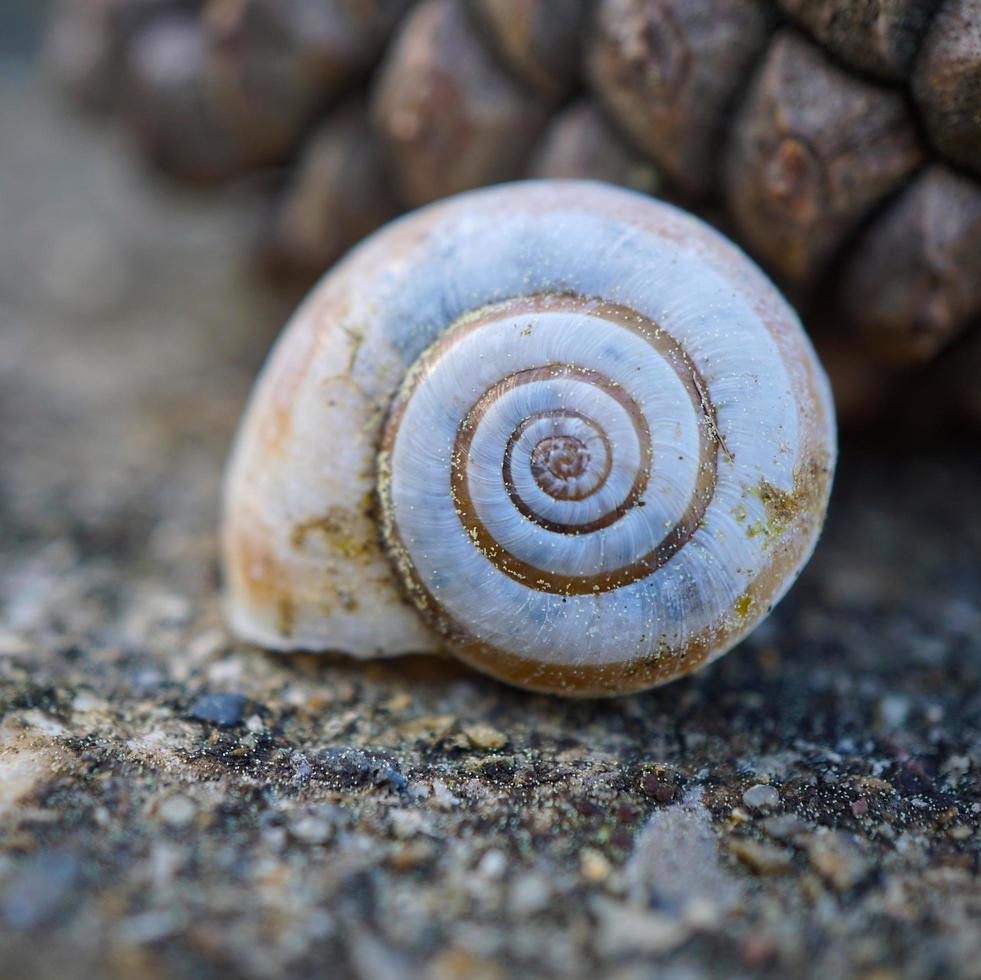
pixel 312 829
pixel 483 736
pixel 85 701
pixel 398 703
pixel 224 710
pixel 658 789
pixel 625 929
pixel 784 826
pixel 894 709
pixel 594 865
pixel 443 797
pixel 675 860
pixel 170 609
pixel 492 865
pixel 530 893
pixel 408 824
pixel 838 859
pixel 761 797
pixel 177 811
pixel 764 859
pixel 412 855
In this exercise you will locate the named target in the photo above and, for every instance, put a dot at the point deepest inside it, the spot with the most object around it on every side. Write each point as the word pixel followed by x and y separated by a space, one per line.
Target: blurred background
pixel 174 174
pixel 838 142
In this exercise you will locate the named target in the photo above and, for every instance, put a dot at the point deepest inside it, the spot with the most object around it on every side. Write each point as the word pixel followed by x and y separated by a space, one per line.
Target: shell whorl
pixel 551 467
pixel 603 445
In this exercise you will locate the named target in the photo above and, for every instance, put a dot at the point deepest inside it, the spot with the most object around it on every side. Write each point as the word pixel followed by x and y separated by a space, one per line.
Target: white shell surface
pixel 668 432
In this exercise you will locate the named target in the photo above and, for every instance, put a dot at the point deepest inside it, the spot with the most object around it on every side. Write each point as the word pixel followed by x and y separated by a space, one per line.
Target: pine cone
pixel 838 140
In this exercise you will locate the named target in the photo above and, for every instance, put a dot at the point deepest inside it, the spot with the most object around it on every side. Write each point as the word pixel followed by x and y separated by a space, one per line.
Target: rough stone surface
pixel 412 819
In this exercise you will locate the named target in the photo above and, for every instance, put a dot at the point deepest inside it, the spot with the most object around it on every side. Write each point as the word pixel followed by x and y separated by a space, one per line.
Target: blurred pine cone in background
pixel 839 141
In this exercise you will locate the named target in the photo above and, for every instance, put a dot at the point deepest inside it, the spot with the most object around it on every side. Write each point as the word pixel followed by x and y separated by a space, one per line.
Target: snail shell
pixel 566 431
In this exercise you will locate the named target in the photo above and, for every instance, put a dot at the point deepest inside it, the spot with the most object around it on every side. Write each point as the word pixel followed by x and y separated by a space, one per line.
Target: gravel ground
pixel 173 803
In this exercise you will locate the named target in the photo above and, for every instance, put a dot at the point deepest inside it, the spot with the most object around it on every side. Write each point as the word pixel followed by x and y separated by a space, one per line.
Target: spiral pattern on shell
pixel 603 443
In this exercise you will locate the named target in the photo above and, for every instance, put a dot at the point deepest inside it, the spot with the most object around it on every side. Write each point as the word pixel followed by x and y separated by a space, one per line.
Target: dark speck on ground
pixel 225 710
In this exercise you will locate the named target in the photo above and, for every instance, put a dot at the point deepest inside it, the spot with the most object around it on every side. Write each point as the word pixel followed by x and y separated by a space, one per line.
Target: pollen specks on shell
pixel 806 501
pixel 779 506
pixel 343 532
pixel 743 605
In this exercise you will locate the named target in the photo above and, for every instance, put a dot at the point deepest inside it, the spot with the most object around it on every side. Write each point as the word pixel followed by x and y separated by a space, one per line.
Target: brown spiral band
pixel 668 349
pixel 468 427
